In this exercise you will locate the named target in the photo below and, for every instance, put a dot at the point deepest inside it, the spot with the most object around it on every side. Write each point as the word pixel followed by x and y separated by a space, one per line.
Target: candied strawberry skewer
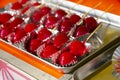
pixel 9 27
pixel 89 24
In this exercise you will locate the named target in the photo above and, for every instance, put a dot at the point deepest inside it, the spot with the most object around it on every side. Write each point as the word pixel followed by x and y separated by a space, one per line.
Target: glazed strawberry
pixel 19 34
pixel 30 27
pixel 81 30
pixel 66 26
pixel 60 40
pixel 45 10
pixel 90 23
pixel 60 13
pixel 34 44
pixel 36 16
pixel 5 17
pixel 66 58
pixel 33 35
pixel 16 22
pixel 16 6
pixel 78 48
pixel 51 20
pixel 5 31
pixel 44 34
pixel 48 51
pixel 74 18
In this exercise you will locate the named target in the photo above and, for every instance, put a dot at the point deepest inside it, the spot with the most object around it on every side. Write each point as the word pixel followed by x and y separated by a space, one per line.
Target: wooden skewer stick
pixel 99 24
pixel 98 27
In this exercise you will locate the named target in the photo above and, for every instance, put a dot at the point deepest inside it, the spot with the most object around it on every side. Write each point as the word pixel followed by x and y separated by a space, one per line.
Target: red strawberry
pixel 81 30
pixel 51 20
pixel 5 31
pixel 16 6
pixel 90 23
pixel 77 48
pixel 66 26
pixel 48 51
pixel 19 34
pixel 33 35
pixel 66 58
pixel 74 18
pixel 16 22
pixel 30 27
pixel 44 34
pixel 34 44
pixel 4 17
pixel 45 10
pixel 60 13
pixel 36 17
pixel 60 40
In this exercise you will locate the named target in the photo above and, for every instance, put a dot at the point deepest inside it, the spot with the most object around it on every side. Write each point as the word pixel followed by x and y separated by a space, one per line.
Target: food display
pixel 40 27
pixel 53 35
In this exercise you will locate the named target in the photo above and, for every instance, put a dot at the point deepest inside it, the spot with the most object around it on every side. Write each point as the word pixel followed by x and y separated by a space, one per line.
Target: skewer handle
pixel 98 27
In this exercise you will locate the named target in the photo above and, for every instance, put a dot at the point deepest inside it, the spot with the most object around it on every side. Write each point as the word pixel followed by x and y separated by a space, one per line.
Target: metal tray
pixel 109 34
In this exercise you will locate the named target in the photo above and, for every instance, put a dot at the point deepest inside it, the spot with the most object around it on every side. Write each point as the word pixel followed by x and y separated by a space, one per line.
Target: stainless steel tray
pixel 109 34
